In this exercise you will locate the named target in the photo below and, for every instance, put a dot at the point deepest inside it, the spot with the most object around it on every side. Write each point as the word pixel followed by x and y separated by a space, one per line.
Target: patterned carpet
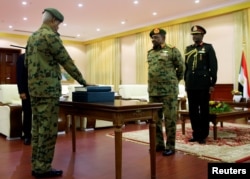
pixel 232 145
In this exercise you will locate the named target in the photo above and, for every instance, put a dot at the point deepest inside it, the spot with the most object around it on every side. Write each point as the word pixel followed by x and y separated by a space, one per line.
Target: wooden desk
pixel 240 104
pixel 216 117
pixel 119 112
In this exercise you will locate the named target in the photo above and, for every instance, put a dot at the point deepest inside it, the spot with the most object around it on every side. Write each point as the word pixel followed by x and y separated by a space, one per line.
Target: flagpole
pixel 243 80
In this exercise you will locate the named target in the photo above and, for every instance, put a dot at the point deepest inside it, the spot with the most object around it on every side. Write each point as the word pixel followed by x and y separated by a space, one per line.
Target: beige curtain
pixel 142 45
pixel 241 41
pixel 177 35
pixel 104 62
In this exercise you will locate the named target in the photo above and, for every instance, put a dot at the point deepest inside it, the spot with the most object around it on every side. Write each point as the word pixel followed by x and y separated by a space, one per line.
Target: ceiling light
pixel 136 2
pixel 123 22
pixel 154 13
pixel 80 5
pixel 10 26
pixel 24 3
pixel 197 1
pixel 64 24
pixel 98 29
pixel 25 18
pixel 78 35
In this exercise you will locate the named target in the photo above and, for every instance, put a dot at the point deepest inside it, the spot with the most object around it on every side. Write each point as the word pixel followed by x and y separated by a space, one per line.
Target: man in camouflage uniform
pixel 200 77
pixel 165 70
pixel 45 52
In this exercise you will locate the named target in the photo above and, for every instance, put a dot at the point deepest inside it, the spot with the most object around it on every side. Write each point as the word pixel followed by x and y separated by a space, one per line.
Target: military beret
pixel 198 30
pixel 157 31
pixel 55 13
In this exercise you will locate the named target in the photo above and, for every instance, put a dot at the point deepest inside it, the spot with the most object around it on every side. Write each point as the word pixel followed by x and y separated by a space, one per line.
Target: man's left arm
pixel 213 66
pixel 178 64
pixel 63 58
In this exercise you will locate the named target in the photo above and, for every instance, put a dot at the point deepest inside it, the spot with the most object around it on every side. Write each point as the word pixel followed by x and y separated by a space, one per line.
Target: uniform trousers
pixel 169 111
pixel 44 132
pixel 198 103
pixel 27 117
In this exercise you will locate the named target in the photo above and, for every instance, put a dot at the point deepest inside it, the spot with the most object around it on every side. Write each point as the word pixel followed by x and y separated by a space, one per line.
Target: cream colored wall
pixel 128 63
pixel 7 40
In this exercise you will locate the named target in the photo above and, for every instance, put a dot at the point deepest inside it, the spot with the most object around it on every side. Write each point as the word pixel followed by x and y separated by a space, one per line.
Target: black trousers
pixel 198 103
pixel 27 117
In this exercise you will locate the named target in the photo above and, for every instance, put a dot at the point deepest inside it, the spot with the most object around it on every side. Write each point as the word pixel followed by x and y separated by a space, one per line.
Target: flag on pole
pixel 243 78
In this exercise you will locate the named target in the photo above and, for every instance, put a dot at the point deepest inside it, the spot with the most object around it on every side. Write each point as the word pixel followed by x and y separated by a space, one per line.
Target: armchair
pixel 10 111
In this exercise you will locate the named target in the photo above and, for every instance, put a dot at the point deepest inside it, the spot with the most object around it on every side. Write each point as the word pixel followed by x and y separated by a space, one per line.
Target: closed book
pixel 82 96
pixel 94 88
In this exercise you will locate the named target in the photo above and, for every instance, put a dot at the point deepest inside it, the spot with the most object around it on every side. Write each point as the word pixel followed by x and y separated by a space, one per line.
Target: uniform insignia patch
pixel 156 31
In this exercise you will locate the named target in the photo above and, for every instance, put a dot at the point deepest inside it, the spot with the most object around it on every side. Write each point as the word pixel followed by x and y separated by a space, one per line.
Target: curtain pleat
pixel 104 63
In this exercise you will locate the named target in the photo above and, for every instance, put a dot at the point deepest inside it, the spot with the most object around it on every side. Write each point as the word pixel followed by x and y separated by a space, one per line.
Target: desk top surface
pixel 116 104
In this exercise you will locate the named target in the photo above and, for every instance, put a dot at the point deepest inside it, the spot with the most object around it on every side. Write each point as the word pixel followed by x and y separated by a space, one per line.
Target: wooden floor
pixel 95 158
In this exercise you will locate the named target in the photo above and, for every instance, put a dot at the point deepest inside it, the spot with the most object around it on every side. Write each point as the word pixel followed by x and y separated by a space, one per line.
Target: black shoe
pixel 202 141
pixel 168 152
pixel 27 141
pixel 192 140
pixel 51 173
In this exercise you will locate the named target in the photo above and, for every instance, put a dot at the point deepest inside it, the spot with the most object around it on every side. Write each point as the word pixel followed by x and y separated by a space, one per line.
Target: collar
pixel 46 26
pixel 200 44
pixel 163 45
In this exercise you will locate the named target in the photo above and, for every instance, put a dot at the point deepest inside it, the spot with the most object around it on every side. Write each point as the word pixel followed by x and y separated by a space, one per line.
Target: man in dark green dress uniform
pixel 165 70
pixel 200 77
pixel 44 53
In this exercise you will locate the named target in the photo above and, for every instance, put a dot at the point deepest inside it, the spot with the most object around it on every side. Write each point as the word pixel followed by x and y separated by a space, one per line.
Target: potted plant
pixel 218 106
pixel 237 95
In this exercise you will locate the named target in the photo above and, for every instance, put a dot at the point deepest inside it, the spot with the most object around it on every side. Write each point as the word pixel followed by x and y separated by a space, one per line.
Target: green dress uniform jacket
pixel 44 53
pixel 201 67
pixel 165 70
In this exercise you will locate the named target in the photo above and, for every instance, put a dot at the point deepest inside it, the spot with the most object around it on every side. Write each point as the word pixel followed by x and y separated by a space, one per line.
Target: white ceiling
pixel 103 14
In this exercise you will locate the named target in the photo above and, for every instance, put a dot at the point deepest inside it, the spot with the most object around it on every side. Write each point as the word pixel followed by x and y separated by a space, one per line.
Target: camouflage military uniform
pixel 44 53
pixel 164 72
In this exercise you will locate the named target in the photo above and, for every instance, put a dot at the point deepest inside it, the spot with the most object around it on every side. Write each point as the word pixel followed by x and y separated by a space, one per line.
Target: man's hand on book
pixel 88 84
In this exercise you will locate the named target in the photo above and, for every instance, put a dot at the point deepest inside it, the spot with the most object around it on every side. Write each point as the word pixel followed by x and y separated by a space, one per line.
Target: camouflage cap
pixel 157 31
pixel 198 30
pixel 55 13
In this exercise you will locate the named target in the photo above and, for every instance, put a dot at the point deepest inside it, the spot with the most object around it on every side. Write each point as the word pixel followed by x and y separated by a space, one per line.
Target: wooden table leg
pixel 73 133
pixel 215 131
pixel 152 137
pixel 183 124
pixel 118 151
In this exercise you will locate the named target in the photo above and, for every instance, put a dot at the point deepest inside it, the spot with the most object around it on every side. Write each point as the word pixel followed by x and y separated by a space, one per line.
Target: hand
pixel 211 89
pixel 88 84
pixel 22 96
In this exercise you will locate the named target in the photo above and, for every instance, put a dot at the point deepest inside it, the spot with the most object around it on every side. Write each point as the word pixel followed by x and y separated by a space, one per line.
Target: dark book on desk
pixel 94 88
pixel 84 96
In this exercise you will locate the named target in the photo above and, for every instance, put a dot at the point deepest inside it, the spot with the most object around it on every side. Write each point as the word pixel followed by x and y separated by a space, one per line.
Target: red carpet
pixel 233 144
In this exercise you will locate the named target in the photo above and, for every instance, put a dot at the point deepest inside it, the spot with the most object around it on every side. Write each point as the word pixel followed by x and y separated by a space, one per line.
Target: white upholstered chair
pixel 10 111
